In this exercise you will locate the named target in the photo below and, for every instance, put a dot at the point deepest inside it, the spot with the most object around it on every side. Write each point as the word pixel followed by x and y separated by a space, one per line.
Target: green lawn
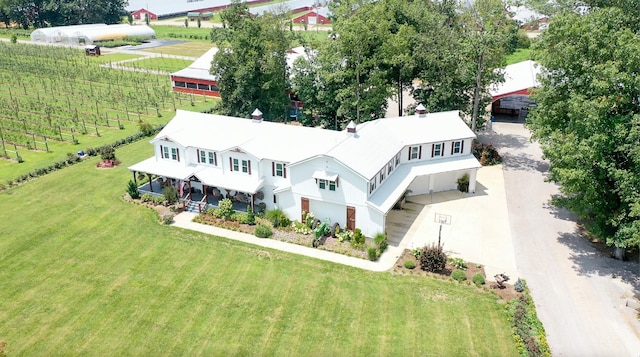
pixel 112 57
pixel 192 33
pixel 190 48
pixel 521 54
pixel 82 272
pixel 160 64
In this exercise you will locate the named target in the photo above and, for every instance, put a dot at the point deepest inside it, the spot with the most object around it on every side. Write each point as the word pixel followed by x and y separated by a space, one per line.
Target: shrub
pixel 308 218
pixel 416 252
pixel 107 152
pixel 519 286
pixel 409 264
pixel 433 258
pixel 372 253
pixel 528 331
pixel 251 218
pixel 458 263
pixel 463 183
pixel 278 218
pixel 225 208
pixel 262 231
pixel 358 237
pixel 132 189
pixel 478 279
pixel 210 211
pixel 14 38
pixel 459 275
pixel 380 239
pixel 240 217
pixel 300 228
pixel 167 218
pixel 146 128
pixel 146 197
pixel 171 194
pixel 345 235
pixel 158 200
pixel 486 153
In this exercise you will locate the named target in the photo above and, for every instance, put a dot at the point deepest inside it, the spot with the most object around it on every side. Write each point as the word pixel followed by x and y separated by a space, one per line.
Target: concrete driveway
pixel 584 298
pixel 475 226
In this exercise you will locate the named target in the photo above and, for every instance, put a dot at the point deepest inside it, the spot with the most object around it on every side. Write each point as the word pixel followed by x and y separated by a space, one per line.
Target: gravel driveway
pixel 584 298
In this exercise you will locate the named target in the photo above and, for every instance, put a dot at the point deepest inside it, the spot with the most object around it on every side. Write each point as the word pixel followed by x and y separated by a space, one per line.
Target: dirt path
pixel 584 299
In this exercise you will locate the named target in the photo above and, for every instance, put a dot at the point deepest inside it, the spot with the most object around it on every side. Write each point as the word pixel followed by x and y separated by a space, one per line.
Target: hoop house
pixel 88 34
pixel 59 33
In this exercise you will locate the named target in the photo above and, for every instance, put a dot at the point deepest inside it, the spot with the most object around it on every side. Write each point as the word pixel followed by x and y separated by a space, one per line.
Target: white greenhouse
pixel 88 34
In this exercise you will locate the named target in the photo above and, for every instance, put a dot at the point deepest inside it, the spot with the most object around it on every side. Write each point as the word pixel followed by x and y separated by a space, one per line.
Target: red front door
pixel 351 218
pixel 305 208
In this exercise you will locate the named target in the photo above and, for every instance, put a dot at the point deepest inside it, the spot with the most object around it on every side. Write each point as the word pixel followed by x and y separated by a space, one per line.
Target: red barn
pixel 140 14
pixel 196 78
pixel 312 18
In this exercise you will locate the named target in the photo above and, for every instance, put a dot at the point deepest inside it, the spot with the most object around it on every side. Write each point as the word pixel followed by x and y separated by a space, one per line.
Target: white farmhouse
pixel 353 177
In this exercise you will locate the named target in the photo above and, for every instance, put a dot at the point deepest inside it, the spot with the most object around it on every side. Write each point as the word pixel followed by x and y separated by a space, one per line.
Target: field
pixel 521 54
pixel 63 102
pixel 159 64
pixel 83 272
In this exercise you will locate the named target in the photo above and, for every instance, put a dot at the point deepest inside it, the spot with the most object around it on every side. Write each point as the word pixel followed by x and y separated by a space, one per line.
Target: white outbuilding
pixel 88 34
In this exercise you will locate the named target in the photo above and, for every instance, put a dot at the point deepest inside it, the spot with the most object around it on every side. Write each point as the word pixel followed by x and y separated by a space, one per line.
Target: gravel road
pixel 585 299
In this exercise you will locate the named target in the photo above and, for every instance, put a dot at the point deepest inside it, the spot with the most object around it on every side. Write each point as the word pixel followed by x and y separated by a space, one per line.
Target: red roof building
pixel 140 15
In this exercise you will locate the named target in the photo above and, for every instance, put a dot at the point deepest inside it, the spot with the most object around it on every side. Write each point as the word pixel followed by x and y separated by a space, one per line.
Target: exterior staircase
pixel 192 206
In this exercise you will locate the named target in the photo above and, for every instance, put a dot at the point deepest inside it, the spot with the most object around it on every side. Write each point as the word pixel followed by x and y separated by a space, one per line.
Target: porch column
pixel 190 190
pixel 150 182
pixel 252 209
pixel 472 180
pixel 204 189
pixel 135 181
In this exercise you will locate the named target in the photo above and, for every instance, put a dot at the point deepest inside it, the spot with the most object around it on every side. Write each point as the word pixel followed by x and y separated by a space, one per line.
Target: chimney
pixel 351 128
pixel 256 116
pixel 421 111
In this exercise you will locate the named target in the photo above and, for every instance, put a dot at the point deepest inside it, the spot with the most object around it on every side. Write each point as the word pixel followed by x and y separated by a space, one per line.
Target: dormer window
pixel 457 147
pixel 326 180
pixel 169 153
pixel 278 169
pixel 437 150
pixel 414 153
pixel 207 157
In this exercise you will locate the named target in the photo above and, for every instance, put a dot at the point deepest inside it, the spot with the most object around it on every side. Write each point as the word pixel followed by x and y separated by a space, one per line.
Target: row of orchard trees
pixel 43 13
pixel 379 49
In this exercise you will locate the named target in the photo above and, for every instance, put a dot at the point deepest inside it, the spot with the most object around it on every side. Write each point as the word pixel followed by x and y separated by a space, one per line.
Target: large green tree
pixel 588 120
pixel 42 13
pixel 251 63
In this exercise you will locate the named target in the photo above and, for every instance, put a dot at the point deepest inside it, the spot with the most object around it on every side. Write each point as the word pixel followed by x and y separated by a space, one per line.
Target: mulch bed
pixel 288 235
pixel 505 294
pixel 107 164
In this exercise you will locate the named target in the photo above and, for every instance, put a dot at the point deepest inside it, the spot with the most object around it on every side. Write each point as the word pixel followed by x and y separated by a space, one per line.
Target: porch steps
pixel 192 207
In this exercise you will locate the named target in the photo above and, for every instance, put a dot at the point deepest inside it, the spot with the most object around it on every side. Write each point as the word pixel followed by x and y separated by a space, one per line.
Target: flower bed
pixel 287 234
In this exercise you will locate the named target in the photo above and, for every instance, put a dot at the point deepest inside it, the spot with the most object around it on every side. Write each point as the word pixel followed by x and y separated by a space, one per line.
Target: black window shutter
pixel 161 152
pixel 198 151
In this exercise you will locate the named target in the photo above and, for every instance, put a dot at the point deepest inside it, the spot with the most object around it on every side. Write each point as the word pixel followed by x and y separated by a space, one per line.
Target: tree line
pixel 588 116
pixel 445 55
pixel 44 13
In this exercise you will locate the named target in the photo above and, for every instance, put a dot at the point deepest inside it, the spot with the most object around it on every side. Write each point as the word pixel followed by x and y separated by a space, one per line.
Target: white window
pixel 397 160
pixel 165 152
pixel 174 154
pixel 212 158
pixel 457 147
pixel 372 185
pixel 332 185
pixel 203 156
pixel 245 166
pixel 390 167
pixel 437 150
pixel 279 169
pixel 322 184
pixel 382 175
pixel 236 166
pixel 415 152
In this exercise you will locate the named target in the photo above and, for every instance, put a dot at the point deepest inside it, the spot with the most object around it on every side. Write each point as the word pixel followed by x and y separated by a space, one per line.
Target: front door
pixel 351 218
pixel 305 208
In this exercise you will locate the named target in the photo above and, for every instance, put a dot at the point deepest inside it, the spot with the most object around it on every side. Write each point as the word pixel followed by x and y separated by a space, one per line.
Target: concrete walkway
pixel 479 229
pixel 386 261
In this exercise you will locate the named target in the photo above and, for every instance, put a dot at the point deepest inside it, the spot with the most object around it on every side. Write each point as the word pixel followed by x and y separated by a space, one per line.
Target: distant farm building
pixel 512 96
pixel 142 14
pixel 320 17
pixel 196 78
pixel 164 9
pixel 88 34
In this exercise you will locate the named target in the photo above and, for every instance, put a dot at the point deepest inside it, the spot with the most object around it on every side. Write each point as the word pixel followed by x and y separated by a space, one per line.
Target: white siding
pixel 420 185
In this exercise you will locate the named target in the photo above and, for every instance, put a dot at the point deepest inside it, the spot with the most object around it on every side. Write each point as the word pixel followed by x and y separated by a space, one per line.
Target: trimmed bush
pixel 380 239
pixel 262 231
pixel 170 194
pixel 372 253
pixel 459 275
pixel 167 218
pixel 146 198
pixel 358 237
pixel 158 200
pixel 107 152
pixel 251 218
pixel 433 258
pixel 409 264
pixel 486 153
pixel 518 286
pixel 225 208
pixel 478 279
pixel 132 190
pixel 240 217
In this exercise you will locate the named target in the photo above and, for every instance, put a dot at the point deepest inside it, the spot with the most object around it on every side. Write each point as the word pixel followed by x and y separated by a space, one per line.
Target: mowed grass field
pixel 83 272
